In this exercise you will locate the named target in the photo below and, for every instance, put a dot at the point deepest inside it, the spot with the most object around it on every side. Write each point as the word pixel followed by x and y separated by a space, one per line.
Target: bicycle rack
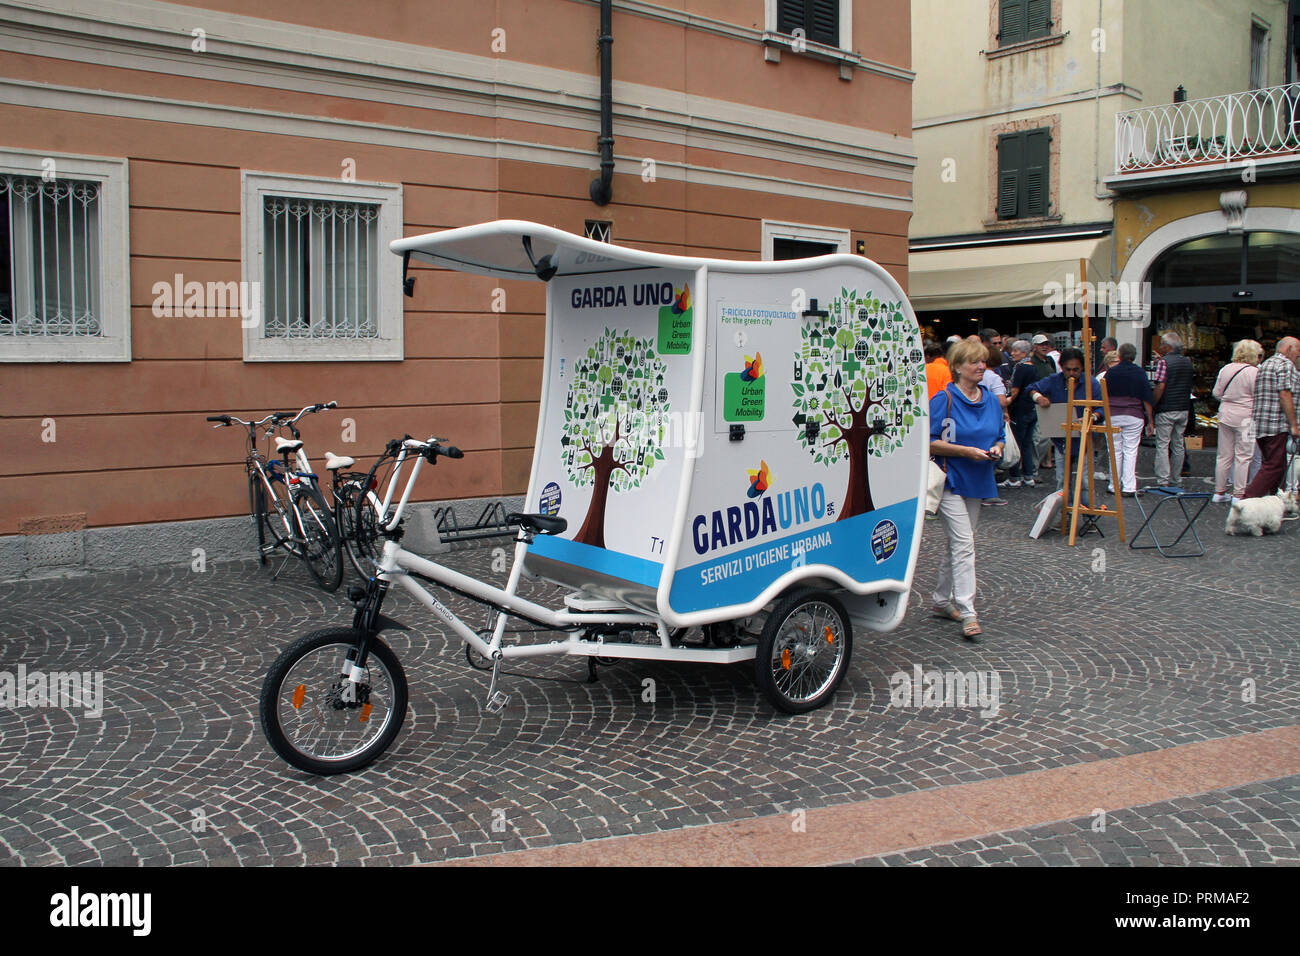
pixel 491 523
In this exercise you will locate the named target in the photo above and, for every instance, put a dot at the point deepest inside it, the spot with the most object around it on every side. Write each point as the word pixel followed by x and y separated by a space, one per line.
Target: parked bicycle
pixel 361 511
pixel 287 506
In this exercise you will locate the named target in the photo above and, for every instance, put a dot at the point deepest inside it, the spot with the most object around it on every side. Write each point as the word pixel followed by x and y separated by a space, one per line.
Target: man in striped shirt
pixel 1276 388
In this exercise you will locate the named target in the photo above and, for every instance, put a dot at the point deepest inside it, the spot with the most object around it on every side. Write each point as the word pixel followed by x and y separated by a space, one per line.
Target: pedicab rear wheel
pixel 803 652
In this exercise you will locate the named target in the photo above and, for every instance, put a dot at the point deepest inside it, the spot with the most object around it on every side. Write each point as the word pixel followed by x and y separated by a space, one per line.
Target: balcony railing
pixel 1217 129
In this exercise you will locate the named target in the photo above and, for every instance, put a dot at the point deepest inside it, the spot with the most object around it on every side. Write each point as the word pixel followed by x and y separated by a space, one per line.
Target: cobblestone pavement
pixel 1101 651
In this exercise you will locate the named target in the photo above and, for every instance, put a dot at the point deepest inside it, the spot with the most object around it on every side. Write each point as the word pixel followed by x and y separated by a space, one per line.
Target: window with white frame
pixel 1258 55
pixel 792 240
pixel 827 22
pixel 63 259
pixel 328 288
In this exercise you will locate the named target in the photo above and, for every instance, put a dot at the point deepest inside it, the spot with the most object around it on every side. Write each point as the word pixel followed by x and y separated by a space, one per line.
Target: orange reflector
pixel 299 693
pixel 785 658
pixel 830 638
pixel 365 712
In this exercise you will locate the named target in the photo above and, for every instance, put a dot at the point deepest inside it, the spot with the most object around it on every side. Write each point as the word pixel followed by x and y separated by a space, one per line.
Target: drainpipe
pixel 1096 127
pixel 602 189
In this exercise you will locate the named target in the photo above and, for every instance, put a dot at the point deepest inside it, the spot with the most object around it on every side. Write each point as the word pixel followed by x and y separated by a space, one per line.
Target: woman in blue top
pixel 966 438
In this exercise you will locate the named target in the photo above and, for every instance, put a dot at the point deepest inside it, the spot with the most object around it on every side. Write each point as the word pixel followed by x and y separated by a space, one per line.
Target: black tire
pixel 359 527
pixel 803 653
pixel 257 507
pixel 313 664
pixel 274 526
pixel 321 550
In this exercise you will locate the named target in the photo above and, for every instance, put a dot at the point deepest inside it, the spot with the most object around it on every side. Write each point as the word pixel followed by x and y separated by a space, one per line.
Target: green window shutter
pixel 819 19
pixel 790 14
pixel 1010 161
pixel 1038 18
pixel 1037 167
pixel 824 22
pixel 1011 21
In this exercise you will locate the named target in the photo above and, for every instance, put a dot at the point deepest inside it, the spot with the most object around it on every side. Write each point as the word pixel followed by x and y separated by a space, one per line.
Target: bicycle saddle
pixel 285 445
pixel 538 524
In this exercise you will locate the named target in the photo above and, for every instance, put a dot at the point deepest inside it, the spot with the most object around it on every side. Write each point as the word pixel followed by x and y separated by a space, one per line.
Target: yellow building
pixel 1207 208
pixel 1027 121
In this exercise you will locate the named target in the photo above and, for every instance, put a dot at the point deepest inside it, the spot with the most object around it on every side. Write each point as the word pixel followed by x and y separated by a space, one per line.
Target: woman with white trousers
pixel 966 438
pixel 1129 393
pixel 1235 390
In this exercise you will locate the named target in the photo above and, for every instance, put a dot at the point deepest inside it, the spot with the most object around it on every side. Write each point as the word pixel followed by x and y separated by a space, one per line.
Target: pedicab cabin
pixel 714 432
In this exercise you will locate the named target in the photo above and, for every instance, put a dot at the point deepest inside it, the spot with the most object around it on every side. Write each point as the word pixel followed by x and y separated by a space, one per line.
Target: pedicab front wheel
pixel 321 723
pixel 803 652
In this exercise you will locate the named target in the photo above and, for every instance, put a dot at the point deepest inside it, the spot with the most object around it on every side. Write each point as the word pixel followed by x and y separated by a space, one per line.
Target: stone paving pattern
pixel 1096 659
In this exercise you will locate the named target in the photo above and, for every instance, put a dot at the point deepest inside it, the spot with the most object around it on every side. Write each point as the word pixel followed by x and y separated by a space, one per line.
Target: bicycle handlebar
pixel 429 449
pixel 289 418
pixel 275 418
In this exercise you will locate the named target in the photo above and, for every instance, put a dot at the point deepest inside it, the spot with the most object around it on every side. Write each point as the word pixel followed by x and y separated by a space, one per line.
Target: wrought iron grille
pixel 320 269
pixel 49 257
pixel 1216 129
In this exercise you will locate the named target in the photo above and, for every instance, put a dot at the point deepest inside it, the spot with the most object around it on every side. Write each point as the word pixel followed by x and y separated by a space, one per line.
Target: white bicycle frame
pixel 397 565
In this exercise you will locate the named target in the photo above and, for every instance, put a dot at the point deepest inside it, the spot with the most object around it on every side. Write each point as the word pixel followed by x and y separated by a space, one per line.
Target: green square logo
pixel 674 331
pixel 743 401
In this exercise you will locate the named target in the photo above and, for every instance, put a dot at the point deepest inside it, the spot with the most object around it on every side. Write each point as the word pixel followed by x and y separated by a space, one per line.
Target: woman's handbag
pixel 935 479
pixel 1010 449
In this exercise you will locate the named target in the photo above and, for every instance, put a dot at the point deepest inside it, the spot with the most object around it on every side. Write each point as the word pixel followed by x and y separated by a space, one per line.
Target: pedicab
pixel 729 466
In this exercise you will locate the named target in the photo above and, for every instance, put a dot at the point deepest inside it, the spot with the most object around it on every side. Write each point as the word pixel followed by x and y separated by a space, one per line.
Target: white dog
pixel 1257 516
pixel 1291 503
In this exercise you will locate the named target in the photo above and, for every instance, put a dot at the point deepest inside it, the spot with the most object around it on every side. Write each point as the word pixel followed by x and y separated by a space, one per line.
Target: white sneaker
pixel 1219 499
pixel 1028 482
pixel 1009 483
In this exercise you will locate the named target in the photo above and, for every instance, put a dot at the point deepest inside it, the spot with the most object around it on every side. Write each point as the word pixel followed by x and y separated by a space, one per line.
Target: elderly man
pixel 1172 391
pixel 1023 416
pixel 1044 365
pixel 1042 356
pixel 1108 344
pixel 1276 388
pixel 992 339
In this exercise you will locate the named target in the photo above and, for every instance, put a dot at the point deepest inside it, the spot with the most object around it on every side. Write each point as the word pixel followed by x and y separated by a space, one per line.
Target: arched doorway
pixel 1215 288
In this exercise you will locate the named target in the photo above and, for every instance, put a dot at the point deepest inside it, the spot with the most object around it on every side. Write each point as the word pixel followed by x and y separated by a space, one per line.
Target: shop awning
pixel 1007 276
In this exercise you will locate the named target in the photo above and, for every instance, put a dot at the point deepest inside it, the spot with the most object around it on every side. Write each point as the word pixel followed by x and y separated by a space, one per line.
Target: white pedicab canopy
pixel 715 432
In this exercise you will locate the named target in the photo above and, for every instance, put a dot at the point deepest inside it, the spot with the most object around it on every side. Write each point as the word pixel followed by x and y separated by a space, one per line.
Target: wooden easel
pixel 1085 428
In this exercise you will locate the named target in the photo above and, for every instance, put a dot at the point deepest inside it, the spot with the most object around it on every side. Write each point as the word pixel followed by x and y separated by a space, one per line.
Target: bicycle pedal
pixel 497 701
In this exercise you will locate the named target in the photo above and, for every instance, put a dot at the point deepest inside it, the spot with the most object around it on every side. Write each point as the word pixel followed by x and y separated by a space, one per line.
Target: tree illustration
pixel 614 422
pixel 859 377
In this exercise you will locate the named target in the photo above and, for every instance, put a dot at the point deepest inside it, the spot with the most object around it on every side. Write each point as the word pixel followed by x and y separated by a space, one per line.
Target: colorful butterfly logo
pixel 753 368
pixel 760 480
